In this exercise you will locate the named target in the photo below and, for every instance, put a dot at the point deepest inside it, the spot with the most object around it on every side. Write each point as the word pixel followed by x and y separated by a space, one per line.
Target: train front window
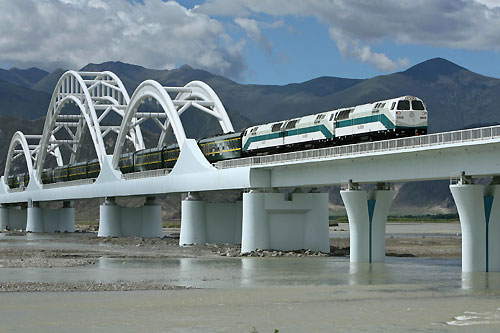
pixel 417 105
pixel 404 105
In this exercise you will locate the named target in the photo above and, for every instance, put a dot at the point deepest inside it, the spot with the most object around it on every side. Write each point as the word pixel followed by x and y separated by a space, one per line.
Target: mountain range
pixel 456 98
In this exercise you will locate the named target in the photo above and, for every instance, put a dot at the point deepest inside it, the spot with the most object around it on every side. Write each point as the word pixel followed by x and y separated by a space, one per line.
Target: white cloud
pixel 489 3
pixel 351 48
pixel 462 24
pixel 72 33
pixel 253 31
pixel 273 25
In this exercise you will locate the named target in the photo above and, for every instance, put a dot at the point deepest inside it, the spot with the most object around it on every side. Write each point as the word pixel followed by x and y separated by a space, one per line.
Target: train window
pixel 417 105
pixel 291 124
pixel 393 105
pixel 404 105
pixel 276 127
pixel 382 105
pixel 319 117
pixel 254 130
pixel 331 117
pixel 344 114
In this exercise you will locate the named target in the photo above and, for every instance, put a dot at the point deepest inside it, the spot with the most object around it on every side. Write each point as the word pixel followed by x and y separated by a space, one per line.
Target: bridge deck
pixel 430 141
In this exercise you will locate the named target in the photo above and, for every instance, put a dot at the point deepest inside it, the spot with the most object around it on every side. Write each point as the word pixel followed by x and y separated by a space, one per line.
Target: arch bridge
pixel 103 106
pixel 264 217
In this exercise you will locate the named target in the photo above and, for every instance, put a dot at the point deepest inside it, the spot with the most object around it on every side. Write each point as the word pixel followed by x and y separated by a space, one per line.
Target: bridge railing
pixel 437 139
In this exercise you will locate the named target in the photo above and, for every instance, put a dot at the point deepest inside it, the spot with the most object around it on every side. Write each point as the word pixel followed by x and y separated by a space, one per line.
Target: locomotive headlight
pixel 424 113
pixel 398 112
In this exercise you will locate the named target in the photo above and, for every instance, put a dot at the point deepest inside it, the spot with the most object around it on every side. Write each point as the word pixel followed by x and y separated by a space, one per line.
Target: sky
pixel 253 41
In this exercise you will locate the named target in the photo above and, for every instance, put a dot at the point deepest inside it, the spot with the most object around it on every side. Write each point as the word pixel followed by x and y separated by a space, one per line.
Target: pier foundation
pixel 207 222
pixel 117 221
pixel 367 214
pixel 13 217
pixel 479 211
pixel 40 219
pixel 277 221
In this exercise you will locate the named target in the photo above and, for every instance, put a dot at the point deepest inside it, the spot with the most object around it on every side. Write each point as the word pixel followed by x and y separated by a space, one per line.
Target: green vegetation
pixel 171 224
pixel 95 223
pixel 428 218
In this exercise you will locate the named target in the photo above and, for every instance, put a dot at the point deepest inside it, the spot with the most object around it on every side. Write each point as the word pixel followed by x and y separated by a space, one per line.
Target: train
pixel 392 118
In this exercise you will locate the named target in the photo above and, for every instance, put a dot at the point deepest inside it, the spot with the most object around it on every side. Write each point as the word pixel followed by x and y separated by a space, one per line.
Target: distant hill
pixel 456 98
pixel 22 102
pixel 22 77
pixel 48 83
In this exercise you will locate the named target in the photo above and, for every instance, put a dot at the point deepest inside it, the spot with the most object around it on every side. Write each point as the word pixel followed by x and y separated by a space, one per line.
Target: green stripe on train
pixel 365 120
pixel 317 128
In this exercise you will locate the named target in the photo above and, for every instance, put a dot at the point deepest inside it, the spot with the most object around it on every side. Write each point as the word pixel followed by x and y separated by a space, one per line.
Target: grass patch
pixel 427 218
pixel 165 224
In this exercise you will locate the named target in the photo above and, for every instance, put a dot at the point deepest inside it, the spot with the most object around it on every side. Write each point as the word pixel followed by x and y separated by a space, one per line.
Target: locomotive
pixel 397 117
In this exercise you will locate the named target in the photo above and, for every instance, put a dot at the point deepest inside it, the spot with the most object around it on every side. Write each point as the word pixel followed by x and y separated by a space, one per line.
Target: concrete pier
pixel 285 221
pixel 117 221
pixel 207 222
pixel 367 214
pixel 13 217
pixel 479 211
pixel 40 219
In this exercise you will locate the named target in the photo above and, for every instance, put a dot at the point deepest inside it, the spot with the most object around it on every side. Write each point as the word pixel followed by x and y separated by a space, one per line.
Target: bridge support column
pixel 285 221
pixel 207 222
pixel 116 221
pixel 50 220
pixel 479 211
pixel 12 218
pixel 4 218
pixel 367 214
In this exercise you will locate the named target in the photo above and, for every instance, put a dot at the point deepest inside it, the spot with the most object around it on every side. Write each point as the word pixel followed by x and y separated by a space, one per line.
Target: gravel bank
pixel 84 286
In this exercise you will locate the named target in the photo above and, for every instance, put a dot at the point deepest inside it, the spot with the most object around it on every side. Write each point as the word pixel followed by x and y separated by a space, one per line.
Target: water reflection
pixel 367 273
pixel 481 281
pixel 262 272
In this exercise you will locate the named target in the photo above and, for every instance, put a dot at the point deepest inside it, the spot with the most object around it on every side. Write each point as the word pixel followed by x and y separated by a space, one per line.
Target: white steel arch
pixel 201 96
pixel 13 154
pixel 148 89
pixel 96 94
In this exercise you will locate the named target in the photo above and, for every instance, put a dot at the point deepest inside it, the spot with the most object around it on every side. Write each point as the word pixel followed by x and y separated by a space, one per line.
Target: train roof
pixel 221 137
pixel 371 105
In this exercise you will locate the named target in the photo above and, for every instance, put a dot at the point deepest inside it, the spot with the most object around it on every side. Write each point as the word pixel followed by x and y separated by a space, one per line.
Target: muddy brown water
pixel 306 294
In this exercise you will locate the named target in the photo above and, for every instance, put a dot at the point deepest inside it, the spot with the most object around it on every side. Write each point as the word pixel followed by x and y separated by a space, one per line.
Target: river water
pixel 261 294
pixel 308 294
